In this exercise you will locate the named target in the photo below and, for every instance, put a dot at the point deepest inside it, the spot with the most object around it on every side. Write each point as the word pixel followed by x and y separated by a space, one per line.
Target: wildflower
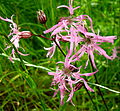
pixel 58 27
pixel 77 34
pixel 70 8
pixel 51 50
pixel 16 36
pixel 66 79
pixel 91 44
pixel 82 39
pixel 41 17
pixel 69 26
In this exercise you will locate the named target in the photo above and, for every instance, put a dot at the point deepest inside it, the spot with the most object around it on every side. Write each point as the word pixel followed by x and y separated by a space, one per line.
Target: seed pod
pixel 25 34
pixel 41 17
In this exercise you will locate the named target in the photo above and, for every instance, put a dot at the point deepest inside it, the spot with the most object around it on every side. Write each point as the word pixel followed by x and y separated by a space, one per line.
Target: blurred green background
pixel 20 91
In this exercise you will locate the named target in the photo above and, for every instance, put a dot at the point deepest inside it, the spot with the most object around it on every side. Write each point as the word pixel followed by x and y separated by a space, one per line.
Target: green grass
pixel 22 91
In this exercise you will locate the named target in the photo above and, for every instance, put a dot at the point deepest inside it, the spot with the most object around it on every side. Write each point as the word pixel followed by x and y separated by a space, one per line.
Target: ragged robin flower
pixel 16 36
pixel 77 34
pixel 67 79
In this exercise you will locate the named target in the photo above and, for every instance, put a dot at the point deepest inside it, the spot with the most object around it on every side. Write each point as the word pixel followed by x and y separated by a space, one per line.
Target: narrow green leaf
pixel 29 80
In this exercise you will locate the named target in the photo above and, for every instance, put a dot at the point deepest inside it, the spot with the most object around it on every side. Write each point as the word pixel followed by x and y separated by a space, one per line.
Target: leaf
pixel 28 64
pixel 104 87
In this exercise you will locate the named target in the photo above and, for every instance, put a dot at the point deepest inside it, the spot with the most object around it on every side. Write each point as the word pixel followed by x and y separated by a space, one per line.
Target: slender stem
pixel 43 37
pixel 91 98
pixel 45 26
pixel 96 81
pixel 53 38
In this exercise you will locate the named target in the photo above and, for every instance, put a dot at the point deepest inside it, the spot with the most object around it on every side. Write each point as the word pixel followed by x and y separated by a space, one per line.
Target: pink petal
pixel 63 6
pixel 22 53
pixel 86 64
pixel 102 52
pixel 51 73
pixel 10 58
pixel 114 55
pixel 51 50
pixel 109 39
pixel 57 30
pixel 76 7
pixel 88 74
pixel 62 91
pixel 86 85
pixel 78 55
pixel 53 28
pixel 92 58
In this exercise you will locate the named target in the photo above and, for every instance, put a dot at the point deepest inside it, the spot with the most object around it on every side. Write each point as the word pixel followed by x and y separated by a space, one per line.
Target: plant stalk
pixel 91 98
pixel 96 81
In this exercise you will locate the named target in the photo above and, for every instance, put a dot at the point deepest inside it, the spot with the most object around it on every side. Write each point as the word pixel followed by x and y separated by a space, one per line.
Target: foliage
pixel 20 91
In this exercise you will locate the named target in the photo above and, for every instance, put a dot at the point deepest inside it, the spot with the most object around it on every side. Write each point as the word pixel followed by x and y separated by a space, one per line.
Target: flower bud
pixel 41 17
pixel 78 86
pixel 25 34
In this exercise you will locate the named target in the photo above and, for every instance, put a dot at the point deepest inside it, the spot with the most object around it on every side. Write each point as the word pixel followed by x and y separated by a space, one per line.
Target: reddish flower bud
pixel 41 17
pixel 25 34
pixel 78 86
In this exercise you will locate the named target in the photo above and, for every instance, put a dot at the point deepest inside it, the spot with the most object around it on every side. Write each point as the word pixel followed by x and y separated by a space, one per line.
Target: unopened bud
pixel 41 17
pixel 78 86
pixel 25 34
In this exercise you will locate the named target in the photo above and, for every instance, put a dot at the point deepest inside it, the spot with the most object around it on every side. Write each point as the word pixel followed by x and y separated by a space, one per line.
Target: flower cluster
pixel 82 40
pixel 79 33
pixel 69 75
pixel 16 36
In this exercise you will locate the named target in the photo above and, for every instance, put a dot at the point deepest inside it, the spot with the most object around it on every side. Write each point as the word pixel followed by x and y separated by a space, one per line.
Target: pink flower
pixel 67 78
pixel 51 50
pixel 82 40
pixel 70 8
pixel 90 44
pixel 69 26
pixel 77 33
pixel 16 36
pixel 58 27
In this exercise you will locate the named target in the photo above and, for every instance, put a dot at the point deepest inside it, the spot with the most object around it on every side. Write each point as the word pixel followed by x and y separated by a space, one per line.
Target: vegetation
pixel 26 87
